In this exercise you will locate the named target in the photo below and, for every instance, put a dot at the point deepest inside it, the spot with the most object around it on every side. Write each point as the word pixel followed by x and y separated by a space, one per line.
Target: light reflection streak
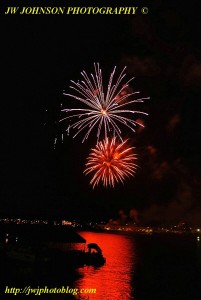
pixel 113 280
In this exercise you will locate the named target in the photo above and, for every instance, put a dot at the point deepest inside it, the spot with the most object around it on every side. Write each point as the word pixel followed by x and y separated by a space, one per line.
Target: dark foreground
pixel 137 267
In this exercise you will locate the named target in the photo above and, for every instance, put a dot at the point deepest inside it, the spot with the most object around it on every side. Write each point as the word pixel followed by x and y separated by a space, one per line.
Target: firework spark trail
pixel 110 162
pixel 104 110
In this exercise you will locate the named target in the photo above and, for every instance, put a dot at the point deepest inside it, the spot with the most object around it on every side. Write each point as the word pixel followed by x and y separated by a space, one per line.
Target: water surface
pixel 144 267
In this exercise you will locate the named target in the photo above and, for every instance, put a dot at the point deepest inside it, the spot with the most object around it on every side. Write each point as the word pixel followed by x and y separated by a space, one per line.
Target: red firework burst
pixel 110 162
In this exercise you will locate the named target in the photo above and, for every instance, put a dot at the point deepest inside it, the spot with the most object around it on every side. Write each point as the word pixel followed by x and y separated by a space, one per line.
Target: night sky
pixel 39 57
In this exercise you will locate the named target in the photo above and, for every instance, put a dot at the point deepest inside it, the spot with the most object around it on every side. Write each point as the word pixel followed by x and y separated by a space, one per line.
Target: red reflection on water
pixel 113 280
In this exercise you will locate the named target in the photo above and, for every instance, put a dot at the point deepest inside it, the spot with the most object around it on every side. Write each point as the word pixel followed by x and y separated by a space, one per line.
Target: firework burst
pixel 105 110
pixel 110 162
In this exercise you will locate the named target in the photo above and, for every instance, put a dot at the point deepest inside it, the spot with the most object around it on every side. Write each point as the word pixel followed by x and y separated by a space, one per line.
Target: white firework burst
pixel 105 110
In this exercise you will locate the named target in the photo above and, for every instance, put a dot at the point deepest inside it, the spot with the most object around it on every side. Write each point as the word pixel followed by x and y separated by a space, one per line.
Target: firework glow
pixel 110 162
pixel 104 110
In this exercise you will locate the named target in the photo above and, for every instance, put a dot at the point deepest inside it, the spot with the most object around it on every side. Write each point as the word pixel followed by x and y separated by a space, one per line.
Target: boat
pixel 94 255
pixel 50 246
